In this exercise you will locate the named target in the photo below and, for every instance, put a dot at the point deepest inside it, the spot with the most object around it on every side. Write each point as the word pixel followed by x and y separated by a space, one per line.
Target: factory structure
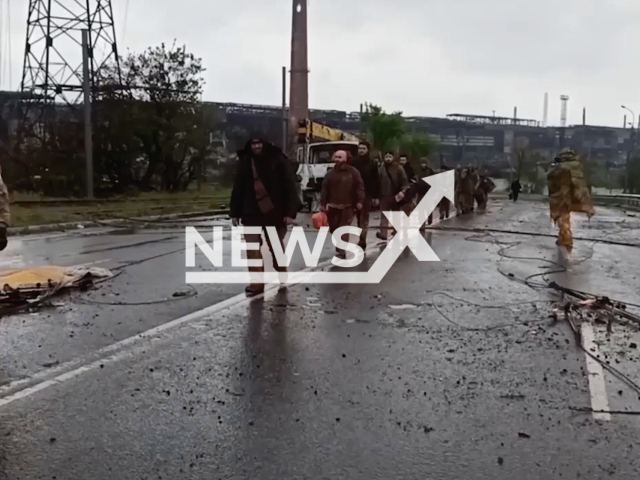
pixel 465 139
pixel 489 141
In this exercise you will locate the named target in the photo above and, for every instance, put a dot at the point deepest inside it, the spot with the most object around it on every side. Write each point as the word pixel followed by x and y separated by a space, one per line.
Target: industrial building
pixel 464 139
pixel 487 141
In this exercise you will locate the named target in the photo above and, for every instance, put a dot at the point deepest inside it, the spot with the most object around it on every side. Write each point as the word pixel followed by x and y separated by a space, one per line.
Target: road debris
pixel 594 308
pixel 513 397
pixel 28 287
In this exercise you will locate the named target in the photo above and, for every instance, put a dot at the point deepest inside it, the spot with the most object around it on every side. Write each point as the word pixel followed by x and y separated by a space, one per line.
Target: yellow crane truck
pixel 315 146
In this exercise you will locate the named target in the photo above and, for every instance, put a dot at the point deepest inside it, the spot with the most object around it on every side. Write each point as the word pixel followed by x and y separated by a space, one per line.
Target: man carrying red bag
pixel 342 195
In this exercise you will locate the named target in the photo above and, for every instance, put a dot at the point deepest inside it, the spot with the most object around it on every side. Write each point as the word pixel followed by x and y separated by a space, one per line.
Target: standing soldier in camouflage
pixel 4 213
pixel 568 192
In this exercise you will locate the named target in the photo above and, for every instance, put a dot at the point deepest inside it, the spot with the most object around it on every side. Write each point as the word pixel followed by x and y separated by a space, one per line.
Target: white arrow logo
pixel 408 235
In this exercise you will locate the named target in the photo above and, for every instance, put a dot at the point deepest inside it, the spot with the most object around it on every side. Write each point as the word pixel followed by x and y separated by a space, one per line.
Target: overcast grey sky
pixel 424 57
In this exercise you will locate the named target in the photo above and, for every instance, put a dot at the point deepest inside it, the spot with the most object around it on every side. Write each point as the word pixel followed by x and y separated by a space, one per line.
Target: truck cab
pixel 316 145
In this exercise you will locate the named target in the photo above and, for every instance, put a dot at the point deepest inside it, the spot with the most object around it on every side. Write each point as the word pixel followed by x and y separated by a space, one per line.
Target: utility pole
pixel 88 134
pixel 631 153
pixel 285 119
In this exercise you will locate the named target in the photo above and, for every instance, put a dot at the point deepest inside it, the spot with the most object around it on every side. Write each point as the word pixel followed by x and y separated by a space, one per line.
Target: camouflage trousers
pixel 565 236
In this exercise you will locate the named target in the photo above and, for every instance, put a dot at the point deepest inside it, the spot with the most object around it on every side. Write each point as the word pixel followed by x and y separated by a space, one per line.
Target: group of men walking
pixel 472 187
pixel 353 186
pixel 265 194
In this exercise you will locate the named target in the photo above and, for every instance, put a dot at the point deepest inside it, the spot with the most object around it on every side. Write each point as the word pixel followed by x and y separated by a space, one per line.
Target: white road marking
pixel 597 386
pixel 114 353
pixel 103 353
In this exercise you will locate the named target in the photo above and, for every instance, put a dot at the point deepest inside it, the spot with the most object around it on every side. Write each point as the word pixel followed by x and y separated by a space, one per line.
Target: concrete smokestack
pixel 564 100
pixel 299 83
pixel 545 111
pixel 584 116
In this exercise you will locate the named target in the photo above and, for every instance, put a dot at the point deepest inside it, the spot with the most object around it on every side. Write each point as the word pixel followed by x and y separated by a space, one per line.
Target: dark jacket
pixel 408 169
pixel 515 186
pixel 393 179
pixel 342 187
pixel 423 187
pixel 276 173
pixel 370 175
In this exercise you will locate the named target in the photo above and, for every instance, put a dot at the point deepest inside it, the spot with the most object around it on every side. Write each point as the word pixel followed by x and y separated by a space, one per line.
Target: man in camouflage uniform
pixel 484 188
pixel 466 188
pixel 458 189
pixel 568 192
pixel 4 213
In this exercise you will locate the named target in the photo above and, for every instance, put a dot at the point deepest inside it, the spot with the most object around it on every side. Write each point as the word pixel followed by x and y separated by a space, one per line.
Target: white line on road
pixel 114 353
pixel 103 353
pixel 597 386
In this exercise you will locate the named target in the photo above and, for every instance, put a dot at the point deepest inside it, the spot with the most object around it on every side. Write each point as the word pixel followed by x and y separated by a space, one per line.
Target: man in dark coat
pixel 423 187
pixel 264 195
pixel 393 187
pixel 371 177
pixel 412 191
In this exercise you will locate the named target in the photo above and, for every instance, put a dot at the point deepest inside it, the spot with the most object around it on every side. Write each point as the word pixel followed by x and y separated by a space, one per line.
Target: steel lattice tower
pixel 52 69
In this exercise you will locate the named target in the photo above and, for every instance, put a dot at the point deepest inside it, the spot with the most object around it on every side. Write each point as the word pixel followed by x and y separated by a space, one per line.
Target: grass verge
pixel 140 206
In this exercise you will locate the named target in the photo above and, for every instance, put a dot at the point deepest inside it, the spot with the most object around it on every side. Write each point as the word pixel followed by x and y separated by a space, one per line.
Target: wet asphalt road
pixel 398 380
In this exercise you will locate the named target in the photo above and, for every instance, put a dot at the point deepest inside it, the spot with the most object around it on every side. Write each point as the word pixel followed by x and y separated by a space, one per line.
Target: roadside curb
pixel 598 200
pixel 64 227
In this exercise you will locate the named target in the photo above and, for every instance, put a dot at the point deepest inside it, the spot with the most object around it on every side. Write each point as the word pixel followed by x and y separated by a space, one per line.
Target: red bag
pixel 320 220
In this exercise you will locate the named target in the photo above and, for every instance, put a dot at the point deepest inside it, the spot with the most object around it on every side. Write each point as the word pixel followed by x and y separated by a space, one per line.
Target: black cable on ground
pixel 614 371
pixel 527 281
pixel 503 306
pixel 611 412
pixel 532 234
pixel 191 294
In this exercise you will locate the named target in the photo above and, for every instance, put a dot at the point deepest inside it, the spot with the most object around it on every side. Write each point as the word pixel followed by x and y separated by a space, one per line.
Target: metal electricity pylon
pixel 52 73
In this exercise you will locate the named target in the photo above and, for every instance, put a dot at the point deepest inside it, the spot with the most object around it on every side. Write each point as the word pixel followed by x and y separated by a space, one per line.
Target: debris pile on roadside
pixel 27 287
pixel 579 307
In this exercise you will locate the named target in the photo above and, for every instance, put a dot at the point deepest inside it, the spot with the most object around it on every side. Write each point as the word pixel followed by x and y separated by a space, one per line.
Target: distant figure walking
pixel 515 189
